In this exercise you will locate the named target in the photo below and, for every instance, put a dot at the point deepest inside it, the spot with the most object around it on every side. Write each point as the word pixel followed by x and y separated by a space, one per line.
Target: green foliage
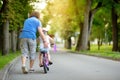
pixel 47 14
pixel 117 6
pixel 18 11
pixel 4 60
pixel 105 51
pixel 0 4
pixel 64 19
pixel 98 26
pixel 102 25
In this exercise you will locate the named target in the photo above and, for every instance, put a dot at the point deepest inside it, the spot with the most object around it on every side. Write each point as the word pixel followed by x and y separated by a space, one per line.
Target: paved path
pixel 68 66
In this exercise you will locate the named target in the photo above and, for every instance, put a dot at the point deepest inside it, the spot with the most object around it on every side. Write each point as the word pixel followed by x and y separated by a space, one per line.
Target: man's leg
pixel 24 69
pixel 24 50
pixel 31 63
pixel 23 60
pixel 32 49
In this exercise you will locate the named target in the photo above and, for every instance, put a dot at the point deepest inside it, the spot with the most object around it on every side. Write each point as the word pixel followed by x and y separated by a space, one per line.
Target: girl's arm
pixel 51 40
pixel 42 36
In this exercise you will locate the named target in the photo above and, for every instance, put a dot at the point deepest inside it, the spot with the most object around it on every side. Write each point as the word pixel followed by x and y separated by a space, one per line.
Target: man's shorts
pixel 28 48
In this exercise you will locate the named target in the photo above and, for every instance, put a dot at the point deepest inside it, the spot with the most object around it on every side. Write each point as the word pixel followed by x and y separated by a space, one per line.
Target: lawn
pixel 105 52
pixel 8 58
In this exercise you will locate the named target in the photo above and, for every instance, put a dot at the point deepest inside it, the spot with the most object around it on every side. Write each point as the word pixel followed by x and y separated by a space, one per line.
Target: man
pixel 28 39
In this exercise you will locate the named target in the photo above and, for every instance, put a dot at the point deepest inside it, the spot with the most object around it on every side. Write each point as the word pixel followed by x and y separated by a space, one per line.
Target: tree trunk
pixel 79 38
pixel 5 28
pixel 18 39
pixel 84 36
pixel 115 30
pixel 119 36
pixel 5 45
pixel 10 45
pixel 13 41
pixel 91 15
pixel 0 38
pixel 18 42
pixel 99 43
pixel 68 43
pixel 88 45
pixel 65 44
pixel 119 42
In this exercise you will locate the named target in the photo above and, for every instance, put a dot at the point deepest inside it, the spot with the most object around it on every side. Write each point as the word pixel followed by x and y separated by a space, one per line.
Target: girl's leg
pixel 40 60
pixel 49 58
pixel 48 55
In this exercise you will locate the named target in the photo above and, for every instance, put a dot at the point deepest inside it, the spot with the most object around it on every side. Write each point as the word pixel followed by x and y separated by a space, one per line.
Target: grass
pixel 105 52
pixel 4 60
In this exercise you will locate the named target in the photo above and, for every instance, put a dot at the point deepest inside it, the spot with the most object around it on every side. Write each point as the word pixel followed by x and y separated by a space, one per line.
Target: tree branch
pixel 97 7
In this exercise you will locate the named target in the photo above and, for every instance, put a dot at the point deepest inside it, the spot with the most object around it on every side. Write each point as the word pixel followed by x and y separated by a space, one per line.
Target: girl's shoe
pixel 40 65
pixel 50 63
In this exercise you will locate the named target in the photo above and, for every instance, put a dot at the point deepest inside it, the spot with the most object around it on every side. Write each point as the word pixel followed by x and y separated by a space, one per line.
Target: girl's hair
pixel 35 14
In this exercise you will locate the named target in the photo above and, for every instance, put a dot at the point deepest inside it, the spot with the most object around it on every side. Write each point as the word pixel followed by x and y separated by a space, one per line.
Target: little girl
pixel 42 48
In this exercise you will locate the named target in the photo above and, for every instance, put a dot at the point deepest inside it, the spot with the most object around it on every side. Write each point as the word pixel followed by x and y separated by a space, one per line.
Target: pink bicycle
pixel 45 61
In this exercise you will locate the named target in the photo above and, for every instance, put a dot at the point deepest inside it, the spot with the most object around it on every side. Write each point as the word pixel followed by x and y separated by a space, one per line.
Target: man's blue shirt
pixel 30 28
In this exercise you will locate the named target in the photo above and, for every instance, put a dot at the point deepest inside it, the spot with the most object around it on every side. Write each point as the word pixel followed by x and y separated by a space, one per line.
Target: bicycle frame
pixel 45 59
pixel 45 62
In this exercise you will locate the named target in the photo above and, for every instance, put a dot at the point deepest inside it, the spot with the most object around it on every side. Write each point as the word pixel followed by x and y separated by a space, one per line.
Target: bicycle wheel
pixel 45 63
pixel 45 68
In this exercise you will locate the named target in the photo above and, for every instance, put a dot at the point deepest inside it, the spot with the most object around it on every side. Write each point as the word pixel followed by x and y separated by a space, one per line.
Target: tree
pixel 87 25
pixel 115 25
pixel 88 19
pixel 12 15
pixel 62 19
pixel 5 27
pixel 98 30
pixel 20 9
pixel 102 30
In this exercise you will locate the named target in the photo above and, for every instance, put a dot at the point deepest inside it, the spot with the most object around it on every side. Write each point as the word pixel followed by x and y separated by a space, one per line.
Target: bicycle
pixel 45 61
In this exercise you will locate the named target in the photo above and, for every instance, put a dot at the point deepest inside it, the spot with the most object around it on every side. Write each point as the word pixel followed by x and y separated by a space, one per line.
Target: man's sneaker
pixel 24 70
pixel 31 70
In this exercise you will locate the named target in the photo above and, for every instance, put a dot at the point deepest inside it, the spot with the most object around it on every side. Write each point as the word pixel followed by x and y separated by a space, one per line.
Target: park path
pixel 70 66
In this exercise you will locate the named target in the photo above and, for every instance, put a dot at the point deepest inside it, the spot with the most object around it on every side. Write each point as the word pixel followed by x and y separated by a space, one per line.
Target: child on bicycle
pixel 49 40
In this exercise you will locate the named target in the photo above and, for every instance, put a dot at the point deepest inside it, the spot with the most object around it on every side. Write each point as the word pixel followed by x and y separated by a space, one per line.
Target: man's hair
pixel 35 14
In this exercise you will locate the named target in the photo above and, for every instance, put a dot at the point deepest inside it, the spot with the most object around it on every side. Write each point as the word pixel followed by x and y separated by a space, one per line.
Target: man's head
pixel 35 14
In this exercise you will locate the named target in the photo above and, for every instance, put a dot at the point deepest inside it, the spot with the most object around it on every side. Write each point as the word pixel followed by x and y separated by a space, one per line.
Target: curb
pixel 5 71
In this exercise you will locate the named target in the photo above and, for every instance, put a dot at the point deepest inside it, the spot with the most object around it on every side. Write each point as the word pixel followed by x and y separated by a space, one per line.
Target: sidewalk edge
pixel 8 67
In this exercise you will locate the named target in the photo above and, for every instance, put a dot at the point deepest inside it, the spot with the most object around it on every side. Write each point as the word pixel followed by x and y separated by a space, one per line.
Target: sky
pixel 40 5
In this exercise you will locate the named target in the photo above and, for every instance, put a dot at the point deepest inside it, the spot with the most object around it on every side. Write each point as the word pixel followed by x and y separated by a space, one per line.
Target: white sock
pixel 32 69
pixel 23 65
